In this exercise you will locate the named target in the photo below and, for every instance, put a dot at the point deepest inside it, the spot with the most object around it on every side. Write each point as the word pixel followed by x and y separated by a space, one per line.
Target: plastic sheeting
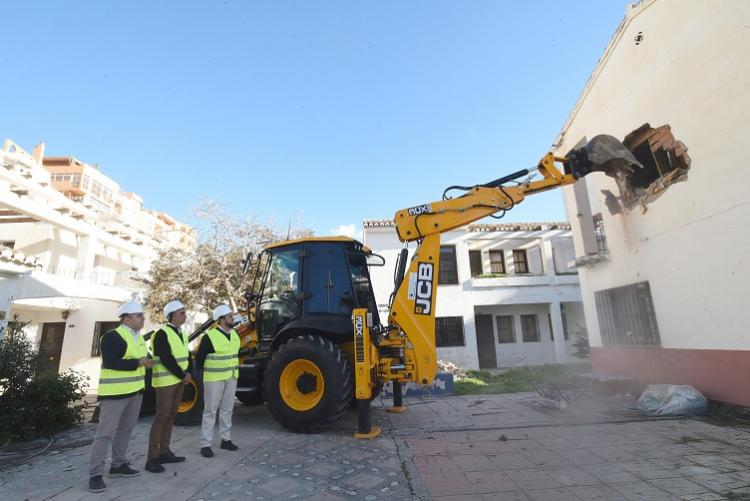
pixel 672 400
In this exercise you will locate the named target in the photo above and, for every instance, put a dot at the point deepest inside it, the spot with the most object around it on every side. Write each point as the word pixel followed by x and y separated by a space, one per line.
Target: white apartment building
pixel 506 295
pixel 666 302
pixel 73 246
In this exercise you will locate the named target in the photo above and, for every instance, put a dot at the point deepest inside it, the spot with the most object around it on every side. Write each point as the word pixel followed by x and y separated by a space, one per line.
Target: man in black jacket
pixel 121 384
pixel 170 375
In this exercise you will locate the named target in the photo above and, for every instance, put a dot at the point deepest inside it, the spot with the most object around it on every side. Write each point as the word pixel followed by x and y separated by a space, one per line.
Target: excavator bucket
pixel 603 153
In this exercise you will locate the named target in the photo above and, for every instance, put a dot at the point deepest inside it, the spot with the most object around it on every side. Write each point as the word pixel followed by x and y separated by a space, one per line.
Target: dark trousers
pixel 168 399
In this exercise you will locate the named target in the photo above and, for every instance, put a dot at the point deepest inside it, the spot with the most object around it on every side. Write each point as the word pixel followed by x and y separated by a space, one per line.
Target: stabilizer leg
pixel 398 399
pixel 364 425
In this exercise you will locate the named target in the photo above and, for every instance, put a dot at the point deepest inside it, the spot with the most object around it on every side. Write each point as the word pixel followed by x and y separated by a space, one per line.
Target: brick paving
pixel 587 452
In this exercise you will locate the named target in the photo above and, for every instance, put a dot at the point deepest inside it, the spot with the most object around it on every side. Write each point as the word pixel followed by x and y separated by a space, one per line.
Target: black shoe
pixel 124 470
pixel 154 466
pixel 169 457
pixel 96 484
pixel 206 452
pixel 228 445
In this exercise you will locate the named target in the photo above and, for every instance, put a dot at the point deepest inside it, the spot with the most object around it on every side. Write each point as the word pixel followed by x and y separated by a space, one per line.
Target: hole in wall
pixel 665 162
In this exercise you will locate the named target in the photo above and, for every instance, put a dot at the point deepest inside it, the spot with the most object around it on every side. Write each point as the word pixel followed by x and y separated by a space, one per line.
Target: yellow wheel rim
pixel 301 385
pixel 186 405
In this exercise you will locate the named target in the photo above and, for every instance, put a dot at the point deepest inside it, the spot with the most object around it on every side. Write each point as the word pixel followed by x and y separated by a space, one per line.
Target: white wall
pixel 531 353
pixel 531 293
pixel 79 332
pixel 690 71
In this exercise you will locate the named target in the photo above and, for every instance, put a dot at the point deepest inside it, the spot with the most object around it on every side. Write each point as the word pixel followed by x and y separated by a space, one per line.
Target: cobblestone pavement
pixel 271 464
pixel 448 448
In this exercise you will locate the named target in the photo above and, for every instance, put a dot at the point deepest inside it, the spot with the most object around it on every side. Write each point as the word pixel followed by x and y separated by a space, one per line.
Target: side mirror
pixel 375 260
pixel 247 263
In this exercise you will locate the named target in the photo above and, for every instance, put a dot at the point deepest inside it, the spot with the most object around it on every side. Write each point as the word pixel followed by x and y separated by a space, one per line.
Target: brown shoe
pixel 169 457
pixel 154 466
pixel 206 452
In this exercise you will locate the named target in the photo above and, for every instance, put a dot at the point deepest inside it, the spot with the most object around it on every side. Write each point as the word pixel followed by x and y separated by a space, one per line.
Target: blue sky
pixel 332 111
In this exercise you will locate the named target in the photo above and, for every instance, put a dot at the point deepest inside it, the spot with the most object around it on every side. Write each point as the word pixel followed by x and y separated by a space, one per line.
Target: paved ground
pixel 271 464
pixel 489 447
pixel 506 447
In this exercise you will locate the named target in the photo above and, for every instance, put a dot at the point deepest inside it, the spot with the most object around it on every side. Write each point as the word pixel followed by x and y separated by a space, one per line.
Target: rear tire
pixel 308 384
pixel 190 411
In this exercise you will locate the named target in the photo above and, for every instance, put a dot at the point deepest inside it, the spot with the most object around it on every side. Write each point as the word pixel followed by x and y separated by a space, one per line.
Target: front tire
pixel 308 384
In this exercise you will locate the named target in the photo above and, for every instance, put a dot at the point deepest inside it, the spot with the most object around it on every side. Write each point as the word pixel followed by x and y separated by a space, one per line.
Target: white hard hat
pixel 221 311
pixel 172 306
pixel 129 308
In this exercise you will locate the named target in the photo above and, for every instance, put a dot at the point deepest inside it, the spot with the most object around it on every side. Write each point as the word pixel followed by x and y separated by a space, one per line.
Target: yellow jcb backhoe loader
pixel 312 340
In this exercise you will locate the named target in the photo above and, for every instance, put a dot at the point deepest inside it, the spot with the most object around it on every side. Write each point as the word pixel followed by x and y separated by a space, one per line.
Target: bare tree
pixel 211 273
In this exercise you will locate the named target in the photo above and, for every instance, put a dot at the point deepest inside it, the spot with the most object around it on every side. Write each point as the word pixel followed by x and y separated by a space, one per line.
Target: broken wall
pixel 687 239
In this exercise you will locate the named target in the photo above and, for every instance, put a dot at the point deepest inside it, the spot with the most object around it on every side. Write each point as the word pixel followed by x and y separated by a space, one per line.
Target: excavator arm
pixel 404 350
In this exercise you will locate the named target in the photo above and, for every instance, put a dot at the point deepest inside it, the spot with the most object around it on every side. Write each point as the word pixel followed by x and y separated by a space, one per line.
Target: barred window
pixel 505 331
pixel 601 236
pixel 449 331
pixel 530 329
pixel 448 268
pixel 627 315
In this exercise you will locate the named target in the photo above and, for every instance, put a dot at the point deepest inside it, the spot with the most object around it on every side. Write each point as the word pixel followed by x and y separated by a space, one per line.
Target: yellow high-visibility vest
pixel 113 382
pixel 178 344
pixel 224 362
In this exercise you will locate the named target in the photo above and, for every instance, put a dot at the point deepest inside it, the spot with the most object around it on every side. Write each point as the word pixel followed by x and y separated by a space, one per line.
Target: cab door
pixel 326 280
pixel 280 298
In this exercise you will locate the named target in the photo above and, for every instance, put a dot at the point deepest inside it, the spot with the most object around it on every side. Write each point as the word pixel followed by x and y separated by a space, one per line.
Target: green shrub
pixel 19 361
pixel 34 401
pixel 518 379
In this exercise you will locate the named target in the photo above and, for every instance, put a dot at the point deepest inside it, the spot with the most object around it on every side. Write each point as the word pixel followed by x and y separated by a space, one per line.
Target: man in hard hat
pixel 218 358
pixel 171 359
pixel 121 384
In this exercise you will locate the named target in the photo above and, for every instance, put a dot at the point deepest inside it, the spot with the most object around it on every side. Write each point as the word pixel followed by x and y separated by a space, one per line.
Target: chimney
pixel 38 153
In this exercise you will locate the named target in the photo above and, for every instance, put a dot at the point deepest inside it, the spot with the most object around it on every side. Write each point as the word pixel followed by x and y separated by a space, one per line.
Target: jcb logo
pixel 423 301
pixel 420 209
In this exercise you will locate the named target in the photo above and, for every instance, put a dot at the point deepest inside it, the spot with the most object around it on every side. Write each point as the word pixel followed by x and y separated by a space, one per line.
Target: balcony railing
pixel 108 278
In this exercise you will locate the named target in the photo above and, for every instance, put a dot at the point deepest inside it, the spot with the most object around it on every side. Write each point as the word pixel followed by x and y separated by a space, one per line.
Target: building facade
pixel 76 246
pixel 506 293
pixel 665 298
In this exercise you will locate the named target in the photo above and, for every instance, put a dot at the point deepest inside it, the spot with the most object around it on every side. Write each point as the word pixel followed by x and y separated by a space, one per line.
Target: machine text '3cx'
pixel 358 326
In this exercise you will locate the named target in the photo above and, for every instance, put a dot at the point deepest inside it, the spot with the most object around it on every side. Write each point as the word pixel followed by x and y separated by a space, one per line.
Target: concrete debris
pixel 446 366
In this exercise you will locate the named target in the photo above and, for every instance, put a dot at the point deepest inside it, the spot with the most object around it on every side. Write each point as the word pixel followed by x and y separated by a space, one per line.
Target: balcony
pixel 522 280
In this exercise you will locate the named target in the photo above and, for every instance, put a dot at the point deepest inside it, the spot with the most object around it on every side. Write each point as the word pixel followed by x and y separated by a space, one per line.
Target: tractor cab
pixel 311 286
